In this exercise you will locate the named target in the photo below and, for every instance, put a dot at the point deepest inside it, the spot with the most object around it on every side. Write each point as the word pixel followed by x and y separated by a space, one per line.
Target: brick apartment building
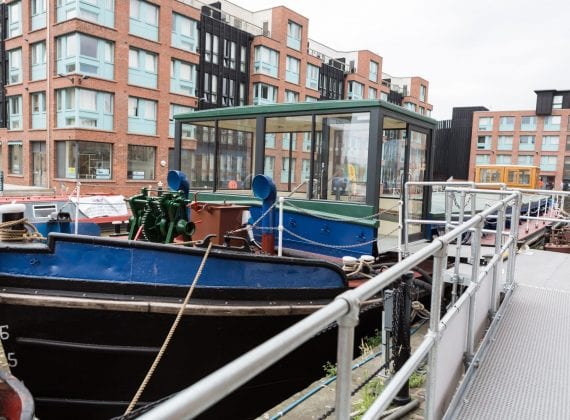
pixel 89 87
pixel 539 137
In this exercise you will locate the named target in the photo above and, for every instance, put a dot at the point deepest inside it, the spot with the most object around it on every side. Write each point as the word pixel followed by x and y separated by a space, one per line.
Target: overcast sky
pixel 492 53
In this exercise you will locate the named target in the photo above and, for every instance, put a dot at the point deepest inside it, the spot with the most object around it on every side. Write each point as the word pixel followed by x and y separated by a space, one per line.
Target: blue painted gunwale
pixel 87 258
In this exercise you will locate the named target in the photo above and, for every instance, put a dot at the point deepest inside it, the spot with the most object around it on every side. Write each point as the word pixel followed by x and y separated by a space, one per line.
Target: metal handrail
pixel 344 309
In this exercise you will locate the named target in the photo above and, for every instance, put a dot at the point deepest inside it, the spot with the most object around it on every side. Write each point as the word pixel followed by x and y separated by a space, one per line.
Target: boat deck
pixel 524 374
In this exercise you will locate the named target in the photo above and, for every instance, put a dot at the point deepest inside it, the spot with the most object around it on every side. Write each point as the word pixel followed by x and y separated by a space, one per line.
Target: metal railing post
pixel 405 225
pixel 439 266
pixel 280 228
pixel 475 255
pixel 402 221
pixel 448 209
pixel 497 267
pixel 344 356
pixel 458 249
pixel 78 189
pixel 514 234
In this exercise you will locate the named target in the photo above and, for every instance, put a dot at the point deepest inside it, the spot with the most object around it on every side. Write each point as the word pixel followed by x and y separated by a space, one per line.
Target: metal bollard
pixel 401 332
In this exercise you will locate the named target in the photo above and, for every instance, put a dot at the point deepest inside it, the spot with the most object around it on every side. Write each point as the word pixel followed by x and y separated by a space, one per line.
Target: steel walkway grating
pixel 526 373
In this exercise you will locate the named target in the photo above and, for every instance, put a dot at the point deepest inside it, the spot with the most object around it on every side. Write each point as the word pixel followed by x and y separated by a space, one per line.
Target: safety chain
pixel 331 246
pixel 243 229
pixel 342 219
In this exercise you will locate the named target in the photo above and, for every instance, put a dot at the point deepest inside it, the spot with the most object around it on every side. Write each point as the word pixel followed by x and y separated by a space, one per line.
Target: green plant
pixel 369 343
pixel 369 394
pixel 330 369
pixel 417 379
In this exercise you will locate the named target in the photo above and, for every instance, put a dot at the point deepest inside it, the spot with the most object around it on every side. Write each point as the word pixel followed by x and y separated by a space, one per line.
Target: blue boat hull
pixel 86 316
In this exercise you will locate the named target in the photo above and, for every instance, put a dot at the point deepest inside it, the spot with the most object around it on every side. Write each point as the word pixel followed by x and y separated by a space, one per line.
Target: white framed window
pixel 373 71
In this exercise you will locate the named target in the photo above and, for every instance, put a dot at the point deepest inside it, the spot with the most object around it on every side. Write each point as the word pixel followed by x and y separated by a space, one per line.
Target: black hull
pixel 86 360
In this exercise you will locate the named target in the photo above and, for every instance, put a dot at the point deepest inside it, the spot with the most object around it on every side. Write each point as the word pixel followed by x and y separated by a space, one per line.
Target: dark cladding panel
pixel 453 145
pixel 395 97
pixel 227 80
pixel 331 82
pixel 566 100
pixel 3 65
pixel 544 102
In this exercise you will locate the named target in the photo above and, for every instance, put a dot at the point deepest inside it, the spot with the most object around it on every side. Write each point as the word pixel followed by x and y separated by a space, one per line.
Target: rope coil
pixel 29 233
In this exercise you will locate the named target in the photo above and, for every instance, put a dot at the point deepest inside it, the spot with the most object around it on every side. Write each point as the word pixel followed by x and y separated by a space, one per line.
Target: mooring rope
pixel 170 334
pixel 29 232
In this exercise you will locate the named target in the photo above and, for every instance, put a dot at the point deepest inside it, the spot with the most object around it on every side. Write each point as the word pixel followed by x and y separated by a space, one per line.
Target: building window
pixel 38 108
pixel 311 99
pixel 15 158
pixel 228 92
pixel 143 20
pixel 548 163
pixel 482 159
pixel 287 170
pixel 373 71
pixel 38 14
pixel 270 141
pixel 505 143
pixel 264 94
pixel 15 112
pixel 211 48
pixel 101 12
pixel 485 123
pixel 80 53
pixel 550 143
pixel 422 110
pixel 291 96
pixel 83 160
pixel 84 108
pixel 568 143
pixel 229 54
pixel 557 102
pixel 355 90
pixel 552 123
pixel 142 116
pixel 143 68
pixel 372 93
pixel 306 142
pixel 242 59
pixel 141 161
pixel 269 167
pixel 484 142
pixel 38 61
pixel 266 61
pixel 292 69
pixel 528 123
pixel 187 129
pixel 312 80
pixel 182 78
pixel 14 19
pixel 289 141
pixel 411 106
pixel 503 159
pixel 184 33
pixel 210 88
pixel 423 91
pixel 525 160
pixel 506 123
pixel 242 94
pixel 526 143
pixel 294 35
pixel 15 66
